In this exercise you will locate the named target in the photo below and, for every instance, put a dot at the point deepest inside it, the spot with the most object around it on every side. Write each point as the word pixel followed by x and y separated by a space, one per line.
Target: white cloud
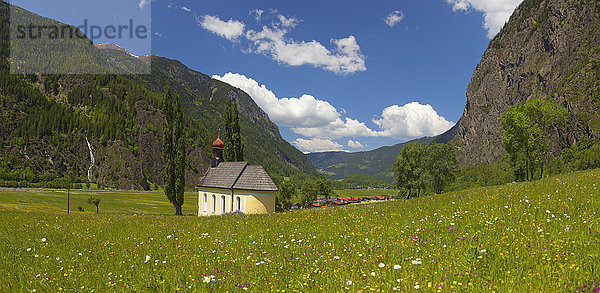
pixel 230 29
pixel 344 59
pixel 317 145
pixel 495 12
pixel 306 115
pixel 355 144
pixel 257 14
pixel 306 111
pixel 143 3
pixel 394 18
pixel 410 121
pixel 185 9
pixel 318 119
pixel 272 41
pixel 337 129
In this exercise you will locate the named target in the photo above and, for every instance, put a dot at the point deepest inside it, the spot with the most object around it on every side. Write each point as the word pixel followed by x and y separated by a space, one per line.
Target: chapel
pixel 234 187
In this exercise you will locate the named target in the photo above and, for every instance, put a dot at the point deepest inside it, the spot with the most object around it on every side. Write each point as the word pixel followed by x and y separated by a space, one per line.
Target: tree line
pixel 306 191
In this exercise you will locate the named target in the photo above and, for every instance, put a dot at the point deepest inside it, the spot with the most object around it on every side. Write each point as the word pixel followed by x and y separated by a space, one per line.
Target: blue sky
pixel 334 75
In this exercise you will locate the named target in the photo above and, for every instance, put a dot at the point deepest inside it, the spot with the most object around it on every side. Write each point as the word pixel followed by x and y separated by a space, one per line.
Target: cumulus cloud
pixel 306 115
pixel 185 9
pixel 394 18
pixel 339 128
pixel 344 59
pixel 495 12
pixel 410 121
pixel 306 111
pixel 319 120
pixel 344 56
pixel 231 29
pixel 317 145
pixel 355 144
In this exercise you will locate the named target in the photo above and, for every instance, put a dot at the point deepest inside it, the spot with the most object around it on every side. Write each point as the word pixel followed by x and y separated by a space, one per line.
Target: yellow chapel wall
pixel 257 202
pixel 213 207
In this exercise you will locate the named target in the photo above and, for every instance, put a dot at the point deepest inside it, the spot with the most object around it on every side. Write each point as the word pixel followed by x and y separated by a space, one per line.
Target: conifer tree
pixel 173 151
pixel 169 170
pixel 234 148
pixel 228 154
pixel 179 152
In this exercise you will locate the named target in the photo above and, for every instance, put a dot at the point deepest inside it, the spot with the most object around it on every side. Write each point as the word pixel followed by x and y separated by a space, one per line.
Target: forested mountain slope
pixel 46 121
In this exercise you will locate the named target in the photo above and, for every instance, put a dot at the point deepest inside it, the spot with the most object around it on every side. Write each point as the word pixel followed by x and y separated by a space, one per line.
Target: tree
pixel 548 115
pixel 287 190
pixel 234 148
pixel 173 151
pixel 524 126
pixel 179 158
pixel 409 169
pixel 441 165
pixel 308 192
pixel 95 201
pixel 324 187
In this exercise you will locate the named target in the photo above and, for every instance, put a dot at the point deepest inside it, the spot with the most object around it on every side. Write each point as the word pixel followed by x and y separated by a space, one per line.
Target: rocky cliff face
pixel 549 48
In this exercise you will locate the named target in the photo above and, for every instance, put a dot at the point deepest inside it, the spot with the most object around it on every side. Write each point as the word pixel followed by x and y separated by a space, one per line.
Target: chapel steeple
pixel 217 152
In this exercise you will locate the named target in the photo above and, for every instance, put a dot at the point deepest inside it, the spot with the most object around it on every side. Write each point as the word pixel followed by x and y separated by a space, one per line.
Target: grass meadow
pixel 540 236
pixel 119 202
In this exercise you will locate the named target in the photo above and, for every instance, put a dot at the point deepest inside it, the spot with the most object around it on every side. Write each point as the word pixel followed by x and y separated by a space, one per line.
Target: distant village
pixel 339 201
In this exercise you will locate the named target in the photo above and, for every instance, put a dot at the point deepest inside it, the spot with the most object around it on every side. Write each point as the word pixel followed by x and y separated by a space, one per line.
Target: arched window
pixel 223 204
pixel 205 205
pixel 238 204
pixel 214 200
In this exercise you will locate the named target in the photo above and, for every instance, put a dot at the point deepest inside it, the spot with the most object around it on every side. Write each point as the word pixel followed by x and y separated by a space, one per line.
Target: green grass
pixel 120 202
pixel 541 236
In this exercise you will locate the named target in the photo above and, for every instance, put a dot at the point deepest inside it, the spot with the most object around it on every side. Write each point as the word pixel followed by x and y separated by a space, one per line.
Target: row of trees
pixel 419 166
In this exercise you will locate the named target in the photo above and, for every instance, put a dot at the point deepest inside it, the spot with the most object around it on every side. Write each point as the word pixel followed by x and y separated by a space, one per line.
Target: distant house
pixel 234 187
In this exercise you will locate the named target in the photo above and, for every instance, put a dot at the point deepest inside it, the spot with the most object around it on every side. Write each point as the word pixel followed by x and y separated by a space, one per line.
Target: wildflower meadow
pixel 540 236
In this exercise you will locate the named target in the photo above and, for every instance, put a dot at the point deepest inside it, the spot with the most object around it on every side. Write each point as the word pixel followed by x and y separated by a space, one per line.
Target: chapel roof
pixel 238 175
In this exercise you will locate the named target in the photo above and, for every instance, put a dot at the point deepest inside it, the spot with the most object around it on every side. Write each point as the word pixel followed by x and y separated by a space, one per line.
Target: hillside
pixel 548 48
pixel 377 162
pixel 502 238
pixel 48 119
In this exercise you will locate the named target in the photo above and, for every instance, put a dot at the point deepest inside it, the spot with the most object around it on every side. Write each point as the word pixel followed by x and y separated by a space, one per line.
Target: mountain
pixel 48 119
pixel 377 162
pixel 548 49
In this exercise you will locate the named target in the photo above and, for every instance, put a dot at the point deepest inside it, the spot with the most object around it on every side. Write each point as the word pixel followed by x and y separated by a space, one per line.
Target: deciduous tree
pixel 524 126
pixel 409 169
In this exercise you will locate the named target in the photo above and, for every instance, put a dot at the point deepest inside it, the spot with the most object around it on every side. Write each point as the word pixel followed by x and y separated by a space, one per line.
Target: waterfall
pixel 91 159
